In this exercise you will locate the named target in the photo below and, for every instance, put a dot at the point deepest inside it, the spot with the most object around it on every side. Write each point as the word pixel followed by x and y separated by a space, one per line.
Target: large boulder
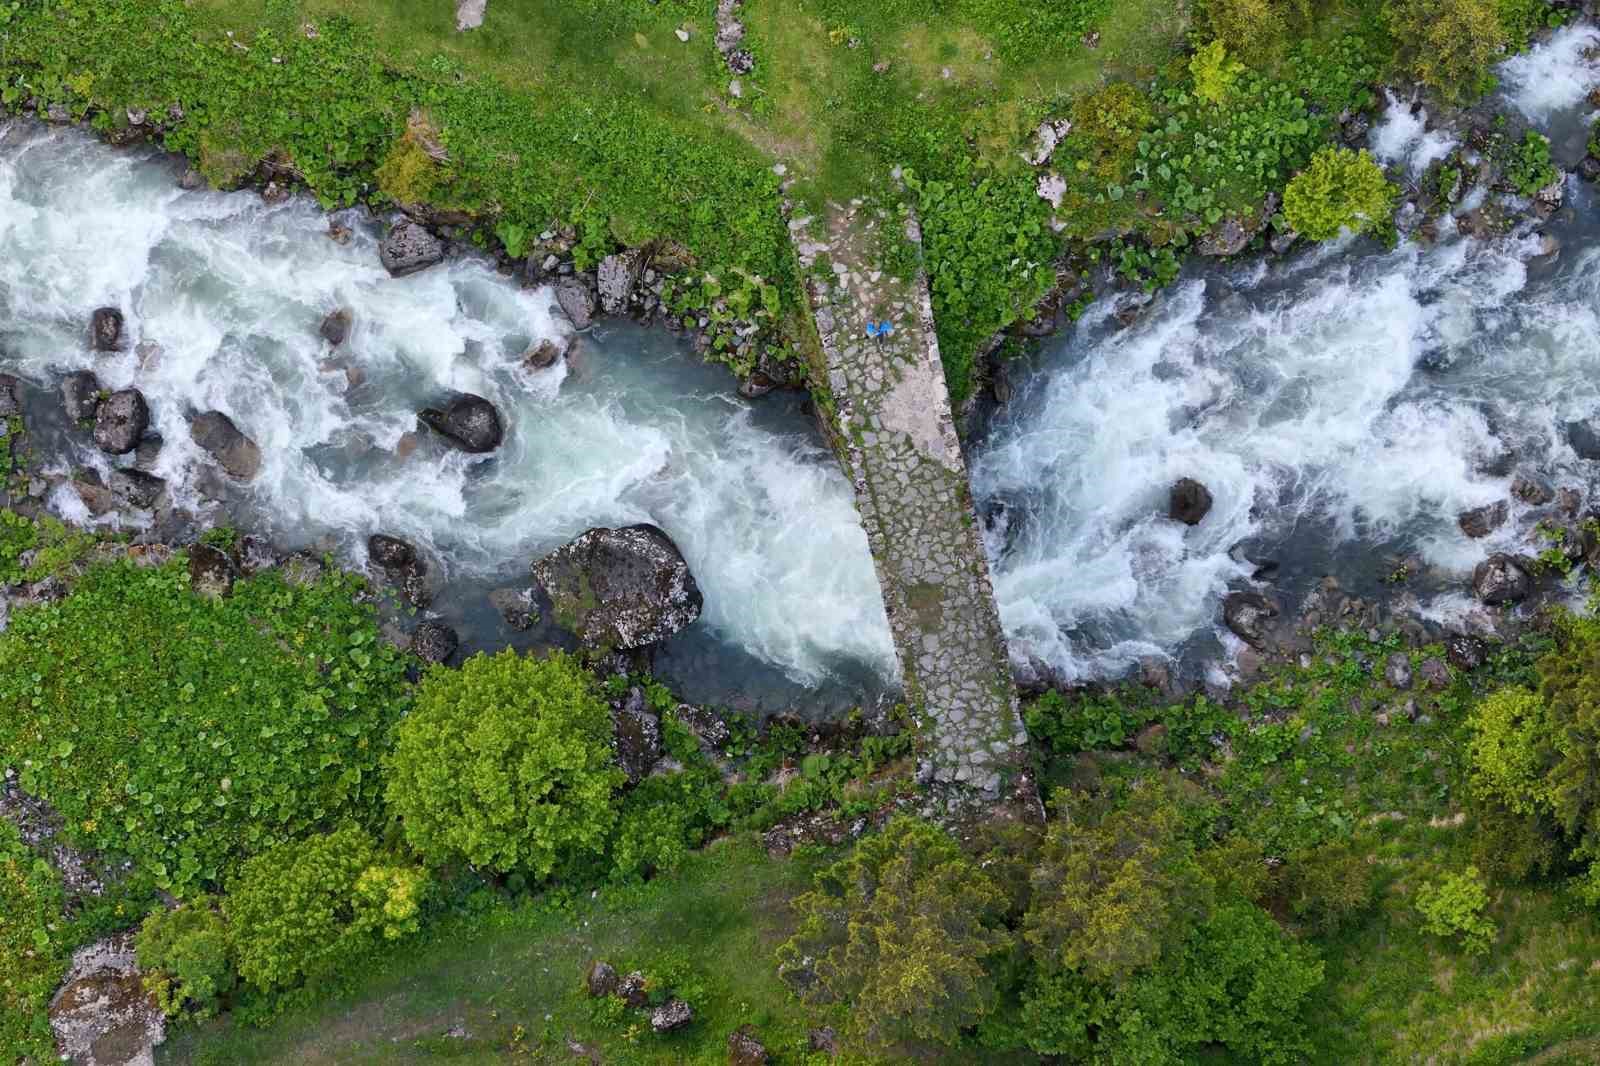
pixel 220 438
pixel 105 330
pixel 1500 580
pixel 137 487
pixel 746 1049
pixel 1481 521
pixel 409 248
pixel 620 588
pixel 469 422
pixel 576 301
pixel 10 396
pixel 1584 436
pixel 671 1016
pixel 102 1015
pixel 1189 501
pixel 402 565
pixel 617 276
pixel 435 642
pixel 211 572
pixel 120 421
pixel 1249 615
pixel 80 395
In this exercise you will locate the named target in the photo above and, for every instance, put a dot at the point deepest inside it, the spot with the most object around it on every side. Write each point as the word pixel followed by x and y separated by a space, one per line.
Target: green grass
pixel 518 968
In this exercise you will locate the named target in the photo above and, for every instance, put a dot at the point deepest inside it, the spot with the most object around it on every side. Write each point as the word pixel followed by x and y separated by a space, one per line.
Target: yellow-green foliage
pixel 904 929
pixel 1455 906
pixel 300 910
pixel 506 764
pixel 1508 729
pixel 408 174
pixel 1214 72
pixel 186 957
pixel 1448 44
pixel 32 955
pixel 1253 29
pixel 1340 189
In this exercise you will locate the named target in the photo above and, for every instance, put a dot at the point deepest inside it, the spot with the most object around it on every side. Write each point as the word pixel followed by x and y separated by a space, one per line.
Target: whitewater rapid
pixel 1343 405
pixel 223 296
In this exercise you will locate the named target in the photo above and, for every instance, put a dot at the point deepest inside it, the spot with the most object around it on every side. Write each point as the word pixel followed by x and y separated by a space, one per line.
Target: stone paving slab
pixel 899 446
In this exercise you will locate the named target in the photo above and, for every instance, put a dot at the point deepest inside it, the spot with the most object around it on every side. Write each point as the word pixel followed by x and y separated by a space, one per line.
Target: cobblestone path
pixel 899 446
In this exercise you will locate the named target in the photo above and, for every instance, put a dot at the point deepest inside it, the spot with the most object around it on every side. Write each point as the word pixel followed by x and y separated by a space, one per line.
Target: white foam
pixel 1552 76
pixel 1403 137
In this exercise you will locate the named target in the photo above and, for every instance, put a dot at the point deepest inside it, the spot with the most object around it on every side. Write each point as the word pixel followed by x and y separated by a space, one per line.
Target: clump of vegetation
pixel 187 957
pixel 1448 45
pixel 505 764
pixel 1454 908
pixel 33 954
pixel 1340 190
pixel 1528 164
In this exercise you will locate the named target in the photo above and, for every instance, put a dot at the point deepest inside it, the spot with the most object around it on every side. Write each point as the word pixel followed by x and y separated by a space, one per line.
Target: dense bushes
pixel 1447 44
pixel 186 956
pixel 1454 907
pixel 189 733
pixel 506 764
pixel 1341 190
pixel 32 955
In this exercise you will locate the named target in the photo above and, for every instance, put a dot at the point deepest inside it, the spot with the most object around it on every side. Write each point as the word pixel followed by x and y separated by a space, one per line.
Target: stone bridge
pixel 892 427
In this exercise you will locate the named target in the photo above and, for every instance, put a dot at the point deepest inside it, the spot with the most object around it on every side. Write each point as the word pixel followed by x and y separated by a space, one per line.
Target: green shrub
pixel 906 930
pixel 187 957
pixel 33 955
pixel 1340 189
pixel 1448 44
pixel 303 909
pixel 1510 734
pixel 1529 168
pixel 663 818
pixel 1455 906
pixel 189 733
pixel 1214 72
pixel 506 764
pixel 1252 29
pixel 1329 885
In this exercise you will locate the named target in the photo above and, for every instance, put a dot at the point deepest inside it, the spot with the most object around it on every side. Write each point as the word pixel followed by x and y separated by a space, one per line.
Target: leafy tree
pixel 1329 884
pixel 1112 892
pixel 506 764
pixel 1510 736
pixel 1447 44
pixel 906 929
pixel 296 912
pixel 1455 906
pixel 1252 29
pixel 1340 189
pixel 186 956
pixel 1214 72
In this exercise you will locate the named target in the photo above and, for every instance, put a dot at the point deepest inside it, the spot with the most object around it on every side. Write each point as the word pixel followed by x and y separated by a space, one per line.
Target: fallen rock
pixel 335 328
pixel 601 980
pixel 1397 670
pixel 636 736
pixel 1189 501
pixel 120 421
pixel 105 330
pixel 1500 580
pixel 671 1016
pixel 102 1015
pixel 469 422
pixel 402 567
pixel 80 395
pixel 1228 237
pixel 10 396
pixel 542 356
pixel 1249 615
pixel 632 990
pixel 1531 490
pixel 236 453
pixel 409 248
pixel 516 606
pixel 620 588
pixel 576 302
pixel 1481 521
pixel 1465 652
pixel 137 487
pixel 1434 674
pixel 211 572
pixel 617 276
pixel 745 1049
pixel 435 642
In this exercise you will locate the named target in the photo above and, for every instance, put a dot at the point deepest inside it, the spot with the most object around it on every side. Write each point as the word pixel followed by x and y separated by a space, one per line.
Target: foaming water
pixel 1403 137
pixel 1554 75
pixel 224 295
pixel 1343 408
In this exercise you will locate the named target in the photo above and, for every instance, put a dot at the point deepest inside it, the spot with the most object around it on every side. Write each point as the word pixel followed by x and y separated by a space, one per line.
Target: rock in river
pixel 1481 521
pixel 1500 580
pixel 120 421
pixel 217 435
pixel 105 330
pixel 434 642
pixel 469 422
pixel 1249 614
pixel 617 276
pixel 620 588
pixel 1190 501
pixel 576 301
pixel 409 248
pixel 80 395
pixel 10 396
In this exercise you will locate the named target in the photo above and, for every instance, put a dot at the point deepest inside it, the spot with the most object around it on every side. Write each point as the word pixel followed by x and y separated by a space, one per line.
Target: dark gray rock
pixel 236 453
pixel 1589 168
pixel 616 278
pixel 705 724
pixel 671 1016
pixel 637 736
pixel 1465 652
pixel 211 572
pixel 1228 237
pixel 1584 436
pixel 632 990
pixel 1249 615
pixel 402 566
pixel 335 328
pixel 1531 490
pixel 1500 580
pixel 435 642
pixel 105 330
pixel 620 588
pixel 576 301
pixel 391 553
pixel 1481 521
pixel 824 1040
pixel 10 396
pixel 254 554
pixel 1397 670
pixel 80 395
pixel 1189 501
pixel 1434 674
pixel 102 1015
pixel 517 607
pixel 304 569
pixel 746 1049
pixel 602 979
pixel 469 422
pixel 138 487
pixel 120 421
pixel 409 248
